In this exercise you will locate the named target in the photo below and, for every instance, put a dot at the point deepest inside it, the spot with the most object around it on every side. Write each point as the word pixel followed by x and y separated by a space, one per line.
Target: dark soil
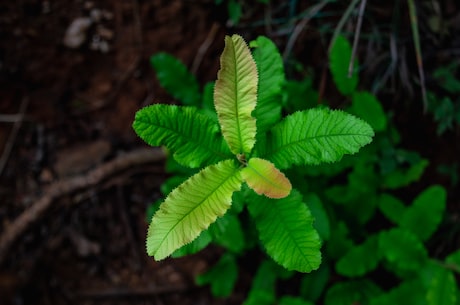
pixel 79 104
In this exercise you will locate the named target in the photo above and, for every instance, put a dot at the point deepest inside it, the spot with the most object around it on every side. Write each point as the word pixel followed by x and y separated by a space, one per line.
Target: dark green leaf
pixel 222 276
pixel 176 79
pixel 351 293
pixel 425 214
pixel 192 137
pixel 360 259
pixel 403 249
pixel 286 230
pixel 366 106
pixel 271 78
pixel 339 60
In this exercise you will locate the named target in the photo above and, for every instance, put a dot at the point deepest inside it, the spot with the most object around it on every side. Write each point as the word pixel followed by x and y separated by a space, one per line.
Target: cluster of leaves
pixel 367 233
pixel 446 108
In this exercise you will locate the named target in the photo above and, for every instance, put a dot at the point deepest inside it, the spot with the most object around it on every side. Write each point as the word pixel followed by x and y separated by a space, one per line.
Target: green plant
pixel 367 232
pixel 248 143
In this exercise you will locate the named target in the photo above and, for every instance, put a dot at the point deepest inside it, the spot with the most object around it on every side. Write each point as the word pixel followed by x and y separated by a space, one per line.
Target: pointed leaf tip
pixel 264 178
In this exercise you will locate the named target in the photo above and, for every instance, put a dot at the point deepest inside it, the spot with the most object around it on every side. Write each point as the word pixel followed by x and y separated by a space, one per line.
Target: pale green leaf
pixel 176 79
pixel 192 207
pixel 264 178
pixel 235 95
pixel 222 276
pixel 339 61
pixel 427 209
pixel 193 138
pixel 271 79
pixel 314 136
pixel 360 259
pixel 366 106
pixel 286 230
pixel 442 288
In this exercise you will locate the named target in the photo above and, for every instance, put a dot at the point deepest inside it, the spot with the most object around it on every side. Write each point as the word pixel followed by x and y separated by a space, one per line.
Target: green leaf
pixel 391 207
pixel 286 230
pixel 427 209
pixel 353 292
pixel 299 95
pixel 314 136
pixel 227 232
pixel 234 11
pixel 454 259
pixel 403 177
pixel 264 178
pixel 289 300
pixel 360 259
pixel 271 79
pixel 403 249
pixel 321 223
pixel 192 137
pixel 339 242
pixel 198 244
pixel 408 293
pixel 313 284
pixel 192 207
pixel 366 106
pixel 442 289
pixel 235 95
pixel 222 276
pixel 208 101
pixel 176 79
pixel 264 284
pixel 339 62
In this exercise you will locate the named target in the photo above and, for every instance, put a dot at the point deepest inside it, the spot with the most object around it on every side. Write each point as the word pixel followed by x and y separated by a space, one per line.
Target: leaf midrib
pixel 235 170
pixel 187 138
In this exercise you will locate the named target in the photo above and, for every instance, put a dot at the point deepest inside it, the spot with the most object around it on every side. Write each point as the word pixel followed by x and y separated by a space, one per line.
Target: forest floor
pixel 75 181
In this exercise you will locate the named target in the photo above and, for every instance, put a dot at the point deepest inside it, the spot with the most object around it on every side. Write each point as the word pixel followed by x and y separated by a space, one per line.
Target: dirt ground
pixel 70 157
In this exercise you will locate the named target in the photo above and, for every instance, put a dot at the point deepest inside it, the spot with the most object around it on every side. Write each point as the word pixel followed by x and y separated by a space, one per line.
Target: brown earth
pixel 65 113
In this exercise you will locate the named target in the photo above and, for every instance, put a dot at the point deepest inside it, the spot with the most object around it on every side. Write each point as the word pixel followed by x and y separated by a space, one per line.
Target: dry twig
pixel 66 186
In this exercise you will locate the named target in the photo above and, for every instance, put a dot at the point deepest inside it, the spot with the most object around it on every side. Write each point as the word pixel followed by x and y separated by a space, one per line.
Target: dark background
pixel 78 104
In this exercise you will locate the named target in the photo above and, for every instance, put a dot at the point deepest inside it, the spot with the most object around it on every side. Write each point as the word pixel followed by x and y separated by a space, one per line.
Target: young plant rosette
pixel 248 143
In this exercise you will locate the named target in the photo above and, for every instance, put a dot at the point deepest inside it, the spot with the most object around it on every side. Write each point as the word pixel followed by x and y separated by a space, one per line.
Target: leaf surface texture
pixel 286 230
pixel 192 207
pixel 193 138
pixel 235 95
pixel 314 136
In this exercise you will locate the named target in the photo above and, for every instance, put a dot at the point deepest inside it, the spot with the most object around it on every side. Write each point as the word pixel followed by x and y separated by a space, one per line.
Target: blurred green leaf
pixel 442 289
pixel 391 207
pixel 313 284
pixel 403 249
pixel 360 259
pixel 352 292
pixel 222 276
pixel 366 106
pixel 174 76
pixel 339 61
pixel 425 214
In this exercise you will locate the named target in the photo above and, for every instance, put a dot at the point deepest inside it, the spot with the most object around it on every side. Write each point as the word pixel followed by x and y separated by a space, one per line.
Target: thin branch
pixel 299 27
pixel 204 48
pixel 14 133
pixel 356 39
pixel 341 23
pixel 66 186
